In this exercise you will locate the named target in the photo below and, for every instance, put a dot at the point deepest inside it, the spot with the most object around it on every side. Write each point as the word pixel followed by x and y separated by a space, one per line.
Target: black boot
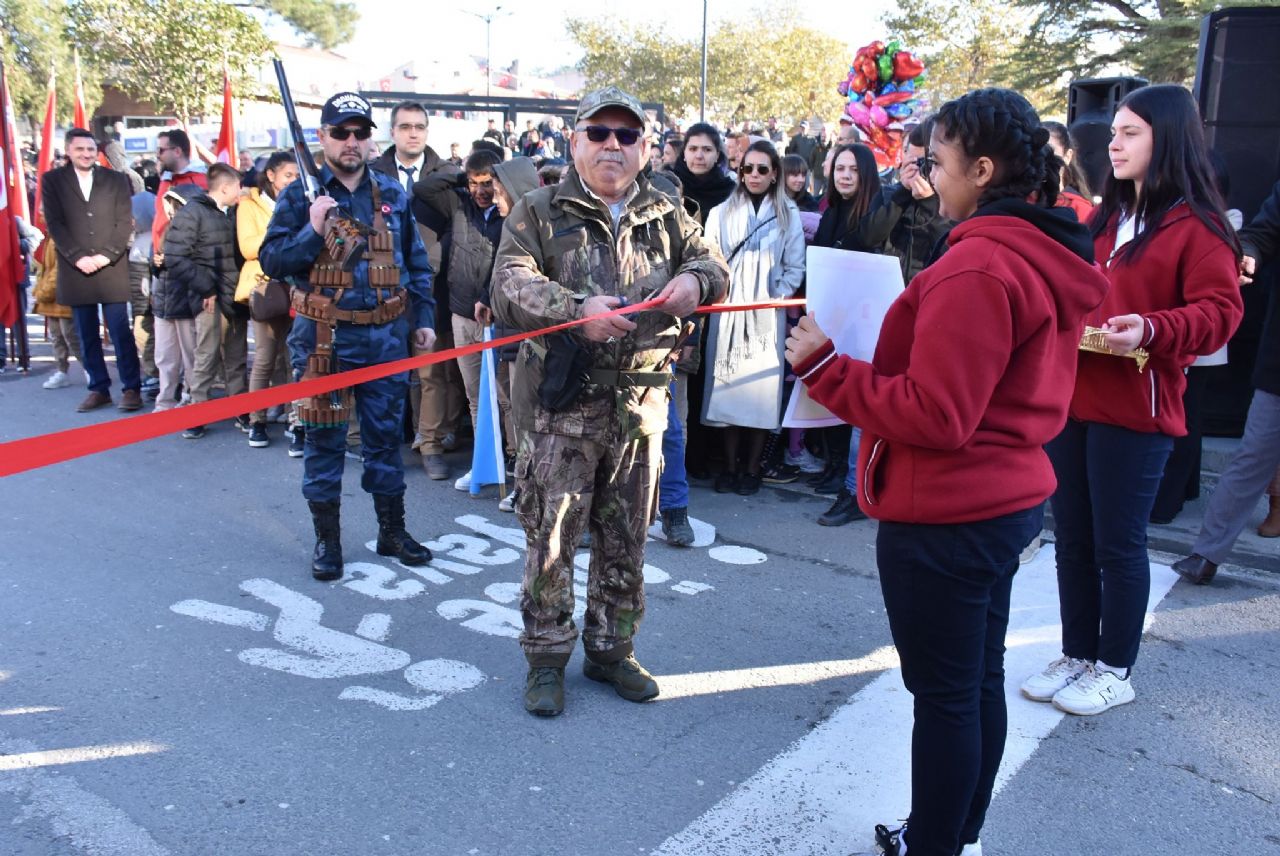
pixel 843 510
pixel 393 540
pixel 326 561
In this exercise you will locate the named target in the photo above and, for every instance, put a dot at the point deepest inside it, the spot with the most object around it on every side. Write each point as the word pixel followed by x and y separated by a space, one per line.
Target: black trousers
pixel 946 589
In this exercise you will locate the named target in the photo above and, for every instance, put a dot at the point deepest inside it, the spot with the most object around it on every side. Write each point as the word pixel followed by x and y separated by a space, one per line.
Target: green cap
pixel 610 96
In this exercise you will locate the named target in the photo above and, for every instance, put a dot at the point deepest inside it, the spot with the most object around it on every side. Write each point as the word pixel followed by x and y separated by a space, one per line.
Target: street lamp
pixel 702 98
pixel 488 26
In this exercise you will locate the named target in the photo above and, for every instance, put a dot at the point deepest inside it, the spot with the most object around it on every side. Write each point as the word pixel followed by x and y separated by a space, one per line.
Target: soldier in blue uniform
pixel 352 310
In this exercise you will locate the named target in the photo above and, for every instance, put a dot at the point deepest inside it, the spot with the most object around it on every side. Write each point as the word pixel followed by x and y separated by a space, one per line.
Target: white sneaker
pixel 508 502
pixel 805 461
pixel 974 849
pixel 58 380
pixel 1056 676
pixel 463 482
pixel 1095 691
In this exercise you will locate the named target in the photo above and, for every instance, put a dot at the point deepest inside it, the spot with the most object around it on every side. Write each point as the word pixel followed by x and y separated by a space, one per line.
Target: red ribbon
pixel 30 453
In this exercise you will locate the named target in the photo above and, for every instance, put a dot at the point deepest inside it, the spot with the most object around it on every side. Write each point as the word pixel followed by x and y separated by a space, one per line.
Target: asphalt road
pixel 173 682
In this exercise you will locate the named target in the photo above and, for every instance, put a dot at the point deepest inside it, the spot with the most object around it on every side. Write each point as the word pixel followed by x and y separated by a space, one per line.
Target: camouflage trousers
pixel 567 484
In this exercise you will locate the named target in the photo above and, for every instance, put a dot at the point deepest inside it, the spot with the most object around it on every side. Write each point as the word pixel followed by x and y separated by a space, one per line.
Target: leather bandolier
pixel 346 243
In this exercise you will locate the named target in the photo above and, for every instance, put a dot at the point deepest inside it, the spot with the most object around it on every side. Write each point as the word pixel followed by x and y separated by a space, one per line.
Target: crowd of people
pixel 982 403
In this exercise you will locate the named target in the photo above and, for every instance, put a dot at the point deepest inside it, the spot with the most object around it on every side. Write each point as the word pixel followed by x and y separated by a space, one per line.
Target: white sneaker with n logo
pixel 1095 691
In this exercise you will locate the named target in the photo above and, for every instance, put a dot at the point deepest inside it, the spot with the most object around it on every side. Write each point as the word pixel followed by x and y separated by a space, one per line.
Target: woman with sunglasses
pixel 1172 259
pixel 759 232
pixel 972 375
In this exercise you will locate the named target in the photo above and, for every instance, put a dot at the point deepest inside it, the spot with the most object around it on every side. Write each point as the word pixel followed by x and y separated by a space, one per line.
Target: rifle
pixel 301 154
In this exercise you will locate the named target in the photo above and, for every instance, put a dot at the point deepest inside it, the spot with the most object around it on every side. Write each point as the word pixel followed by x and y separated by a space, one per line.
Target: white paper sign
pixel 848 293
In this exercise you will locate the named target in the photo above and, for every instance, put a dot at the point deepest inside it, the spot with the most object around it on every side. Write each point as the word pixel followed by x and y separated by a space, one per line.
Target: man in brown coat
pixel 90 220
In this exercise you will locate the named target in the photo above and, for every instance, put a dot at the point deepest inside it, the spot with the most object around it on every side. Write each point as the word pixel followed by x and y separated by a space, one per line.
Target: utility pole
pixel 702 99
pixel 488 52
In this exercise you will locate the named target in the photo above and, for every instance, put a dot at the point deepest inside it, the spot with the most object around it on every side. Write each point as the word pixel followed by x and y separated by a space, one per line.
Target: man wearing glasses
pixel 370 309
pixel 591 405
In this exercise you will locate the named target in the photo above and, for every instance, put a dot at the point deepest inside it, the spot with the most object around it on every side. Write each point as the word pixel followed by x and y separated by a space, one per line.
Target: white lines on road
pixel 21 711
pixel 81 819
pixel 76 755
pixel 825 793
pixel 791 674
pixel 216 613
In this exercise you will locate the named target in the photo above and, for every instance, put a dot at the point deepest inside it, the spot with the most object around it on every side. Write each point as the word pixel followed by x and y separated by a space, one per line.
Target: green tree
pixel 170 54
pixel 1156 39
pixel 754 69
pixel 322 23
pixel 966 44
pixel 35 40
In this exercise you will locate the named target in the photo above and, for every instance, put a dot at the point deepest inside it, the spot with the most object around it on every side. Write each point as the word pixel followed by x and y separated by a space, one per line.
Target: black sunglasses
pixel 600 133
pixel 342 134
pixel 761 168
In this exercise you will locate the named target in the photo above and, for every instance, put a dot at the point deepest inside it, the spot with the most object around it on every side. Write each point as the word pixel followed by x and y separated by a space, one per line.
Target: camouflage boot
pixel 544 690
pixel 629 678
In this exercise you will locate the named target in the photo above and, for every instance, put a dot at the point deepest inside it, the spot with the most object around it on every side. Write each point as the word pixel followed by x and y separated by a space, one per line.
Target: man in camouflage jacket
pixel 602 238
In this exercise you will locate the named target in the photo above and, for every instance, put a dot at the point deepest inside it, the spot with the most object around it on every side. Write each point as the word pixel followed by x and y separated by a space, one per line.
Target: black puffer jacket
pixel 1261 241
pixel 200 255
pixel 907 227
pixel 473 237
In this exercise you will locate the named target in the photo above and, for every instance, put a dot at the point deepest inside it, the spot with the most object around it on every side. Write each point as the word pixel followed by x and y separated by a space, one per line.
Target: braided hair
pixel 1002 125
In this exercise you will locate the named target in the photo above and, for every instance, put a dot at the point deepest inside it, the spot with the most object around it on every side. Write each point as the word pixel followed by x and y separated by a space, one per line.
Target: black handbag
pixel 564 372
pixel 269 299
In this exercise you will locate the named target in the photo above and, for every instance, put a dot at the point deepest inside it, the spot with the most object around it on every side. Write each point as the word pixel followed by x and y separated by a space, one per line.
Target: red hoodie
pixel 971 376
pixel 1185 284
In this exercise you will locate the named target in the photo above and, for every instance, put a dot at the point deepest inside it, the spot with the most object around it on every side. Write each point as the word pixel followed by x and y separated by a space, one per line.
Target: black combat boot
pixel 326 561
pixel 393 540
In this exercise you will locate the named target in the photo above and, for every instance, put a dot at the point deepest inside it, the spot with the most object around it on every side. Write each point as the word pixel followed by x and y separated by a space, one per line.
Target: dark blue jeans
pixel 673 487
pixel 116 316
pixel 946 590
pixel 1107 482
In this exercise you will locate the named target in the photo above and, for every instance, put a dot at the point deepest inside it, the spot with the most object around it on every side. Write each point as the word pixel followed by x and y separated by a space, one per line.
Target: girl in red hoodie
pixel 972 375
pixel 1172 260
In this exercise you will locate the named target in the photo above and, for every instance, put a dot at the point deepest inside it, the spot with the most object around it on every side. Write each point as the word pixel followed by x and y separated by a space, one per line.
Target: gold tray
pixel 1095 342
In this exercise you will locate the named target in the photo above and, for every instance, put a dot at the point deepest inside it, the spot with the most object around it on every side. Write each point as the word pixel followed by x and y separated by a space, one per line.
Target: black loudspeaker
pixel 1091 105
pixel 1238 90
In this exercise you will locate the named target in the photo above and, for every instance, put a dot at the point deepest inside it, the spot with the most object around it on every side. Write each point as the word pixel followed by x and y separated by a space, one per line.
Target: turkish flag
pixel 225 149
pixel 15 179
pixel 12 270
pixel 45 162
pixel 80 120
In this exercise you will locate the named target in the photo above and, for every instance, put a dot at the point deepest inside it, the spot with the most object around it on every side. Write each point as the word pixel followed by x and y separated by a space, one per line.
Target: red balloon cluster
pixel 881 89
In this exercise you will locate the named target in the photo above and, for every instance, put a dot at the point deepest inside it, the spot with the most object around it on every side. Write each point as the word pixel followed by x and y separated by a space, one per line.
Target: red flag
pixel 225 149
pixel 14 175
pixel 45 162
pixel 80 120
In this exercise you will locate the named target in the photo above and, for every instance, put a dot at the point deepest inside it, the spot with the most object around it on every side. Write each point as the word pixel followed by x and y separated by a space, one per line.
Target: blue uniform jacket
pixel 291 247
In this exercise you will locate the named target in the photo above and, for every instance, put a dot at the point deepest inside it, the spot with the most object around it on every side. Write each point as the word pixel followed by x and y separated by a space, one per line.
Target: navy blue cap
pixel 344 107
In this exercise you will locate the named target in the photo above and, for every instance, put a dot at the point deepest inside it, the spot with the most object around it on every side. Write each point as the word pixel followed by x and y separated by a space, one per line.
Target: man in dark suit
pixel 90 216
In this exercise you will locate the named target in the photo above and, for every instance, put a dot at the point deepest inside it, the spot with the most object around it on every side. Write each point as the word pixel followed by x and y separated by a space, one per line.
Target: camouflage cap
pixel 610 96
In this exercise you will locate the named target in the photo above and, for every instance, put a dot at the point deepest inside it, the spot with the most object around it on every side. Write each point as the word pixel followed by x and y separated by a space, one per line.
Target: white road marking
pixel 376 627
pixel 216 613
pixel 491 618
pixel 826 792
pixel 21 711
pixel 691 587
pixel 78 817
pixel 76 755
pixel 731 554
pixel 378 582
pixel 503 592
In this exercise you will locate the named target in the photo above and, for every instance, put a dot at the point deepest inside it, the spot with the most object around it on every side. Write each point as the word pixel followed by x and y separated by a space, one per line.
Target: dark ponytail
pixel 1002 125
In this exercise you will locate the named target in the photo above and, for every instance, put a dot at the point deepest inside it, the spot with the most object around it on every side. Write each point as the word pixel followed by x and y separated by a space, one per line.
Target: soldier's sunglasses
pixel 600 133
pixel 343 134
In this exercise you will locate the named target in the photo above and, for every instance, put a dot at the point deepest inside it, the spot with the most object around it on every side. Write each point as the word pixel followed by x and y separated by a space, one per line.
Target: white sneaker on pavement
pixel 57 380
pixel 508 502
pixel 1030 553
pixel 805 461
pixel 463 482
pixel 1043 686
pixel 1095 691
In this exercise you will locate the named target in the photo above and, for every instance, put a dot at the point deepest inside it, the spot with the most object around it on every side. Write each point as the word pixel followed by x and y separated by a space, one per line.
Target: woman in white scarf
pixel 759 231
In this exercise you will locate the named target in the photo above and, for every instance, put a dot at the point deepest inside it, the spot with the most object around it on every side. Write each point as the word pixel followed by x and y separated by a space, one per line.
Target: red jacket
pixel 1185 284
pixel 971 376
pixel 1077 203
pixel 161 222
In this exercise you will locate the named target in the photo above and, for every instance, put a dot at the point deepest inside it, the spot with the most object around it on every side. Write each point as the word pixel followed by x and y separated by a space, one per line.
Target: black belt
pixel 627 380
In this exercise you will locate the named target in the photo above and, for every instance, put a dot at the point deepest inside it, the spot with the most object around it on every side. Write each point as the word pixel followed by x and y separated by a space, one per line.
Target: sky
pixel 534 31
